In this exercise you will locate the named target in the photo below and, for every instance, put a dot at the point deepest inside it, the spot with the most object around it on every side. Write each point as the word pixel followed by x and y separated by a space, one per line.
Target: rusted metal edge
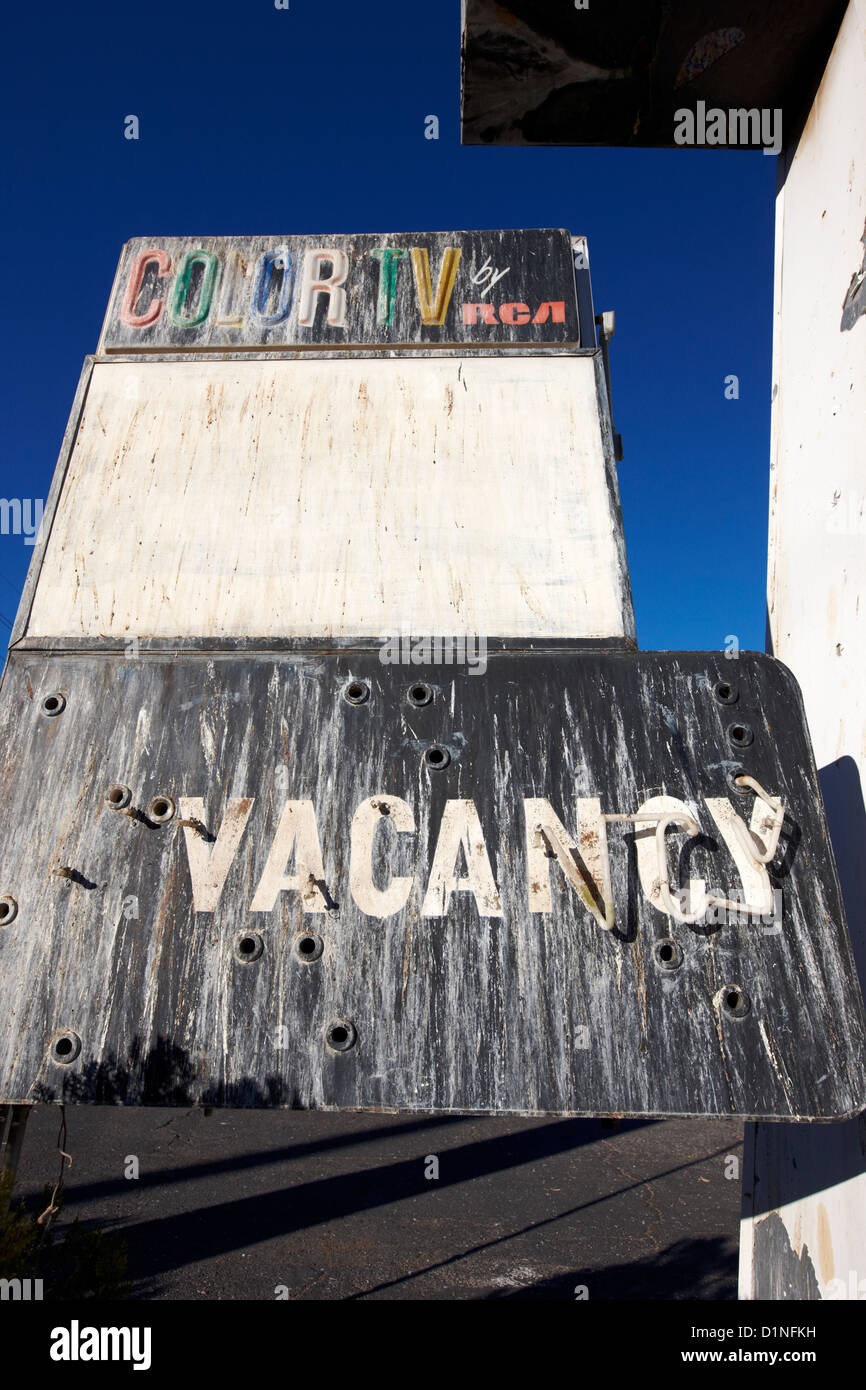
pixel 293 351
pixel 260 645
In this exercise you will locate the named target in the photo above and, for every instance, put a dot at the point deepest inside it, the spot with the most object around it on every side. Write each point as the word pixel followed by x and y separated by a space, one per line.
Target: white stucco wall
pixel 813 1181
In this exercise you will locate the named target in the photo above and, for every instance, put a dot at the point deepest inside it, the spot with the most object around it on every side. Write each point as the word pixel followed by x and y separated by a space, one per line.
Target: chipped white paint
pixel 371 814
pixel 652 820
pixel 209 863
pixel 315 283
pixel 757 888
pixel 588 872
pixel 337 498
pixel 461 833
pixel 584 861
pixel 768 817
pixel 804 1191
pixel 297 837
pixel 649 847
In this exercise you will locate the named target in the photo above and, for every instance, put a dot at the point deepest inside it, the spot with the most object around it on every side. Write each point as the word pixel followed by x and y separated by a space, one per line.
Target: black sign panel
pixel 413 289
pixel 423 879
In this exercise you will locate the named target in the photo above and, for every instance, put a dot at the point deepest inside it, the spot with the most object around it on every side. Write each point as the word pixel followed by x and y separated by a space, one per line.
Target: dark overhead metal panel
pixel 549 73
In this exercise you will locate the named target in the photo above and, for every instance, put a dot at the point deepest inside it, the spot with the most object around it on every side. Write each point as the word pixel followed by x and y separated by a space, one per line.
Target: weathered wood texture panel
pixel 329 498
pixel 496 999
pixel 411 288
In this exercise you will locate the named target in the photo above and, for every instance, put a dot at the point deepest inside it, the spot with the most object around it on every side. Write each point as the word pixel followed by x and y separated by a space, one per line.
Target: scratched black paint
pixel 530 267
pixel 454 1013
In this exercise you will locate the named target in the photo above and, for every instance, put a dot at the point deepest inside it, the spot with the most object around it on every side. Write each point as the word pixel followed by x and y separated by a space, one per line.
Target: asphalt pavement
pixel 241 1204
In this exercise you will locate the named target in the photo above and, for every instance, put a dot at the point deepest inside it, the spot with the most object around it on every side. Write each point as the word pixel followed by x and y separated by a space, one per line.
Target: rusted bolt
pixel 356 692
pixel 53 704
pixel 118 796
pixel 197 826
pixel 64 1047
pixel 8 910
pixel 341 1035
pixel 160 810
pixel 248 947
pixel 313 890
pixel 437 757
pixel 420 694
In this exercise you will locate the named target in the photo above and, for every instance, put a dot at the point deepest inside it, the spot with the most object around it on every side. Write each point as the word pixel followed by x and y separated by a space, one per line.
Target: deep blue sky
pixel 312 120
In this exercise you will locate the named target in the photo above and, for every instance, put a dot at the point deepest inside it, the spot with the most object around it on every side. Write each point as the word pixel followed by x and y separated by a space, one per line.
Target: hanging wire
pixel 52 1209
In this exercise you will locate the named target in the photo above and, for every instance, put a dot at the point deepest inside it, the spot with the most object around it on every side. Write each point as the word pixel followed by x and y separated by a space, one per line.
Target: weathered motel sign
pixel 460 833
pixel 332 775
pixel 272 292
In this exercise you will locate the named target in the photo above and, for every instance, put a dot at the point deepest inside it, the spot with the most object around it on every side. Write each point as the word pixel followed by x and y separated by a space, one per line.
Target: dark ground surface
pixel 337 1206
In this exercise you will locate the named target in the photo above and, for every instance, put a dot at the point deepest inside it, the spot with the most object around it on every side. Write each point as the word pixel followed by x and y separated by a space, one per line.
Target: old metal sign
pixel 423 289
pixel 336 497
pixel 260 847
pixel 539 881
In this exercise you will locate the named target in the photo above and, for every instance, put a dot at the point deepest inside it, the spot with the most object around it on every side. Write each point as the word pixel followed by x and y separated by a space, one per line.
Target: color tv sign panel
pixel 415 289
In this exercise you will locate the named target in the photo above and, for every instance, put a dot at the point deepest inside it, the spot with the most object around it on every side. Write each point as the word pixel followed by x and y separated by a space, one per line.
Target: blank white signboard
pixel 337 498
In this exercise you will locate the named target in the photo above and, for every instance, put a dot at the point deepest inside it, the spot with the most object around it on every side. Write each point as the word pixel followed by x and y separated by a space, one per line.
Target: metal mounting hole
pixel 249 947
pixel 309 947
pixel 437 757
pixel 160 809
pixel 341 1035
pixel 734 1001
pixel 8 910
pixel 726 692
pixel 669 954
pixel 65 1047
pixel 118 796
pixel 420 694
pixel 356 692
pixel 53 704
pixel 740 735
pixel 731 780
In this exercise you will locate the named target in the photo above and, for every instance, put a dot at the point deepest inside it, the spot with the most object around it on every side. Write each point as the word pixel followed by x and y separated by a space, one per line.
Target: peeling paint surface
pixel 400 288
pixel 349 498
pixel 855 298
pixel 426 980
pixel 784 1273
